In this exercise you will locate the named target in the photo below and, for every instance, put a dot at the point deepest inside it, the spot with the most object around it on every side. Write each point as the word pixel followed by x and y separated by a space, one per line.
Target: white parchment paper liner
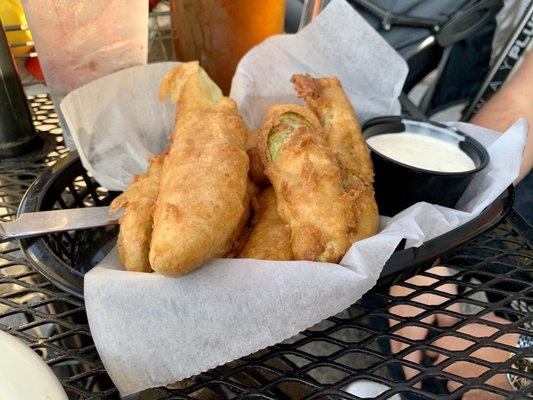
pixel 152 330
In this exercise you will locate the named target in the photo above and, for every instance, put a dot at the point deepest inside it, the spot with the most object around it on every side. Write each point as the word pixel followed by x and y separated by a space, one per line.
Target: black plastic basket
pixel 64 257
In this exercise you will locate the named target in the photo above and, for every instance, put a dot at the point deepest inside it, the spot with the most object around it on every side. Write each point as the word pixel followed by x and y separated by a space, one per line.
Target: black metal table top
pixel 453 329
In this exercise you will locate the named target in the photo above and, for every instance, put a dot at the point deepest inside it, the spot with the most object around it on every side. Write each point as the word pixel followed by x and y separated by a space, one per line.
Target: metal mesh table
pixel 467 313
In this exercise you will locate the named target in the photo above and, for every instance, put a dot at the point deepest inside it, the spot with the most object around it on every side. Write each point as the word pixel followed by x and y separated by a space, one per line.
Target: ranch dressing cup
pixel 418 161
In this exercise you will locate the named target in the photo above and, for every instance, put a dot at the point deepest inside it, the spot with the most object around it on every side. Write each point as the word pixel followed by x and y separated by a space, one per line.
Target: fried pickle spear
pixel 136 223
pixel 189 85
pixel 307 179
pixel 202 190
pixel 270 238
pixel 329 102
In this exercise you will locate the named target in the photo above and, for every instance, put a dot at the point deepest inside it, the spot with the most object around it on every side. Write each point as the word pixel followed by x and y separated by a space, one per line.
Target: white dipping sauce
pixel 422 151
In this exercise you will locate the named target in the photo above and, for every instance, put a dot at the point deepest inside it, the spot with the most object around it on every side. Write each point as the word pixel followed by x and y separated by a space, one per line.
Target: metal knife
pixel 43 222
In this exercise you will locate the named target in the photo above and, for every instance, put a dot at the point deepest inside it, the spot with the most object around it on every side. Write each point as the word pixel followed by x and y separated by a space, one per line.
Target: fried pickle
pixel 189 85
pixel 136 224
pixel 202 190
pixel 326 97
pixel 270 238
pixel 307 179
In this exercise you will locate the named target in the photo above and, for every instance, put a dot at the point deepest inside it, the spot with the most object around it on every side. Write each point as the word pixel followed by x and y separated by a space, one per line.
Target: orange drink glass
pixel 219 32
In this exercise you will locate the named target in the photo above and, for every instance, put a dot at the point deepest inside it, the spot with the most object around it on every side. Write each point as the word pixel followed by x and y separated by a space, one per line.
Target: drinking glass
pixel 219 32
pixel 78 40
